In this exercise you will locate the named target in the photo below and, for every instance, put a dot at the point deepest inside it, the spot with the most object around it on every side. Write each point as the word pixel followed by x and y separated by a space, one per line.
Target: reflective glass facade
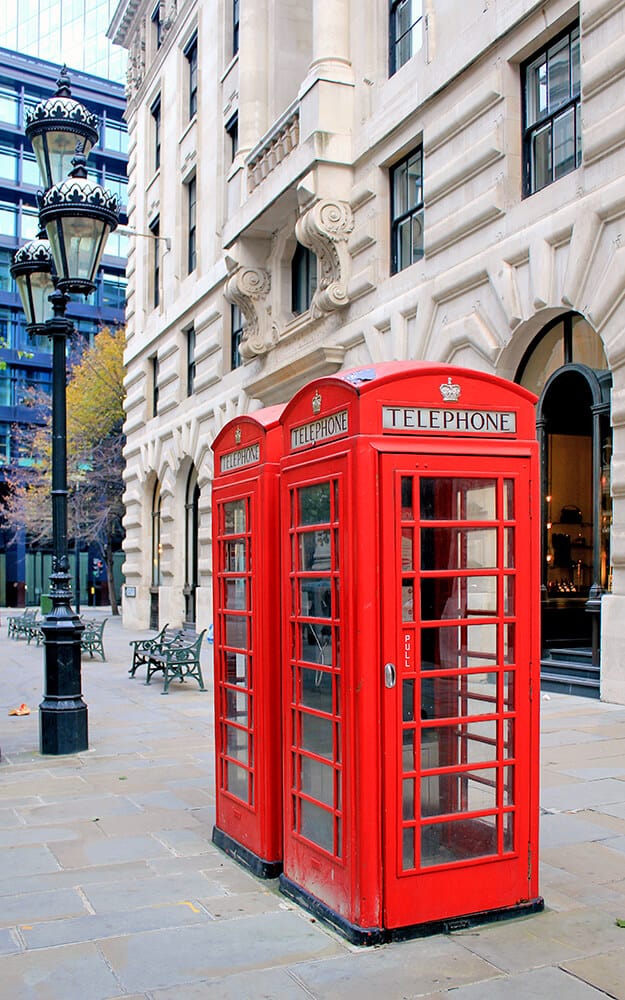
pixel 71 31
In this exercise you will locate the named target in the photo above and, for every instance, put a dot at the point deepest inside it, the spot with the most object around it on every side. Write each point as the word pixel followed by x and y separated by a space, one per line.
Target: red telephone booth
pixel 246 598
pixel 410 567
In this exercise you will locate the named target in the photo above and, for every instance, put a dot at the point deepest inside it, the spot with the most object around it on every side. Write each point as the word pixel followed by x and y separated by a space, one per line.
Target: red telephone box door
pixel 457 602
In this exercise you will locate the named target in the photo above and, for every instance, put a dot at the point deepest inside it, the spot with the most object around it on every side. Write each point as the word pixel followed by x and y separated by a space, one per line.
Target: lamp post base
pixel 62 713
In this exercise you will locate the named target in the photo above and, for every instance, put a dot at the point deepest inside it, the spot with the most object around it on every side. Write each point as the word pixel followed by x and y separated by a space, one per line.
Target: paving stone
pixel 107 850
pixel 398 970
pixel 83 807
pixel 30 907
pixel 226 907
pixel 174 957
pixel 94 927
pixel 157 890
pixel 8 942
pixel 31 860
pixel 62 878
pixel 270 984
pixel 561 829
pixel 568 737
pixel 186 842
pixel 584 794
pixel 23 835
pixel 541 984
pixel 9 819
pixel 61 973
pixel 596 862
pixel 605 972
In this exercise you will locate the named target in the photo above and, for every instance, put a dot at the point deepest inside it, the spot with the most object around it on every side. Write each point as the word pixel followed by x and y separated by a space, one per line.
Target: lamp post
pixel 78 217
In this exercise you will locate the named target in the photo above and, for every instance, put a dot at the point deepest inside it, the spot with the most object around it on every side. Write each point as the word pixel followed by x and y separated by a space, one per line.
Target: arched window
pixel 156 537
pixel 192 522
pixel 567 340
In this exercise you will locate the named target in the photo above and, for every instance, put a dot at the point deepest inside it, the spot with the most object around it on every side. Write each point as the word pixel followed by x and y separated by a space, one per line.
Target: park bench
pixel 141 648
pixel 179 658
pixel 23 625
pixel 92 637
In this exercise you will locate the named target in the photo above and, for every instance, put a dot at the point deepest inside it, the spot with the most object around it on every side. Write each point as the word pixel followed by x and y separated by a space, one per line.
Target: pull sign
pixel 390 675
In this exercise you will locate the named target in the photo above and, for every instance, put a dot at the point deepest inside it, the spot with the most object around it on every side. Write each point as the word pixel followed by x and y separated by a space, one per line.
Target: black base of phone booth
pixel 257 866
pixel 370 936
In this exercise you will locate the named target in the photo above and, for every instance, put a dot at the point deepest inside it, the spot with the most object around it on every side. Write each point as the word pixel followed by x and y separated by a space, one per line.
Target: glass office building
pixel 24 81
pixel 72 31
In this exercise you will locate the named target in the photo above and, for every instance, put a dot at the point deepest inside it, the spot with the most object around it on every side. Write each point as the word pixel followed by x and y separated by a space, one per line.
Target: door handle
pixel 390 675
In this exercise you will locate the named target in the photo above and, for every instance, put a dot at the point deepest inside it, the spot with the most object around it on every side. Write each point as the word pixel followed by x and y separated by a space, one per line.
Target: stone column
pixel 331 49
pixel 253 74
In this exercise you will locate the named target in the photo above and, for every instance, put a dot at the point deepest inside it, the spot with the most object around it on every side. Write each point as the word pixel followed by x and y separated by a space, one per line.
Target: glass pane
pixel 508 832
pixel 559 74
pixel 315 550
pixel 575 63
pixel 406 498
pixel 408 750
pixel 466 791
pixel 470 743
pixel 414 180
pixel 444 843
pixel 317 735
pixel 404 244
pixel 316 690
pixel 536 90
pixel 450 499
pixel 541 158
pixel 237 744
pixel 408 701
pixel 316 643
pixel 458 598
pixel 400 190
pixel 314 504
pixel 407 548
pixel 508 500
pixel 408 848
pixel 587 346
pixel 318 780
pixel 235 556
pixel 458 548
pixel 236 631
pixel 236 594
pixel 508 785
pixel 508 644
pixel 407 601
pixel 236 706
pixel 460 696
pixel 408 798
pixel 236 669
pixel 564 151
pixel 317 824
pixel 316 598
pixel 235 517
pixel 417 236
pixel 508 595
pixel 237 781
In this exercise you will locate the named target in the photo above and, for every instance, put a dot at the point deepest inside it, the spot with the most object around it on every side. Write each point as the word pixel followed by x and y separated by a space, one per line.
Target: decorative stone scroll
pixel 325 229
pixel 248 289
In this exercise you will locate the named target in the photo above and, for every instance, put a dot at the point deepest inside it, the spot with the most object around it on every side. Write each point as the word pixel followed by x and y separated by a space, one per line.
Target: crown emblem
pixel 316 403
pixel 237 435
pixel 450 391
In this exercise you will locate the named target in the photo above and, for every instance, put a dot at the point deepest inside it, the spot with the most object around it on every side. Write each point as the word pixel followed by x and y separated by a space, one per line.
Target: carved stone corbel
pixel 248 289
pixel 325 229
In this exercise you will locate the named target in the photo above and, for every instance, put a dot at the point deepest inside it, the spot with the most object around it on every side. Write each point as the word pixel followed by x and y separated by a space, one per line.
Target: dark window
pixel 405 31
pixel 407 211
pixel 192 213
pixel 154 361
pixel 303 279
pixel 156 538
pixel 235 27
pixel 155 111
pixel 157 25
pixel 156 263
pixel 236 334
pixel 190 360
pixel 232 131
pixel 191 56
pixel 552 137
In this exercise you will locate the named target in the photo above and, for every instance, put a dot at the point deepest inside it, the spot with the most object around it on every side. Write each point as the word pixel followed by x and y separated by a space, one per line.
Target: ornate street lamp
pixel 56 128
pixel 78 216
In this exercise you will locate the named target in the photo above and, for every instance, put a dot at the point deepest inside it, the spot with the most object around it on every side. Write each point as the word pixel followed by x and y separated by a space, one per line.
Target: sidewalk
pixel 110 886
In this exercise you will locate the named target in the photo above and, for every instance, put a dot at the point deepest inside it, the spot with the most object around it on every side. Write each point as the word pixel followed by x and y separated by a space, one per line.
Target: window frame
pixel 191 55
pixel 191 186
pixel 410 213
pixel 303 279
pixel 155 232
pixel 545 121
pixel 236 335
pixel 155 112
pixel 236 24
pixel 191 362
pixel 395 40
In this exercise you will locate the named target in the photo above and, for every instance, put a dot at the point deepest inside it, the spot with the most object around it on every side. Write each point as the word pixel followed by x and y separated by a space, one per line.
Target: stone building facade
pixel 327 184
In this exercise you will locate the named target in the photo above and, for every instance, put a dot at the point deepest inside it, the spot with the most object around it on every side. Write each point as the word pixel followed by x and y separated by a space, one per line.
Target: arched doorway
pixel 192 522
pixel 566 366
